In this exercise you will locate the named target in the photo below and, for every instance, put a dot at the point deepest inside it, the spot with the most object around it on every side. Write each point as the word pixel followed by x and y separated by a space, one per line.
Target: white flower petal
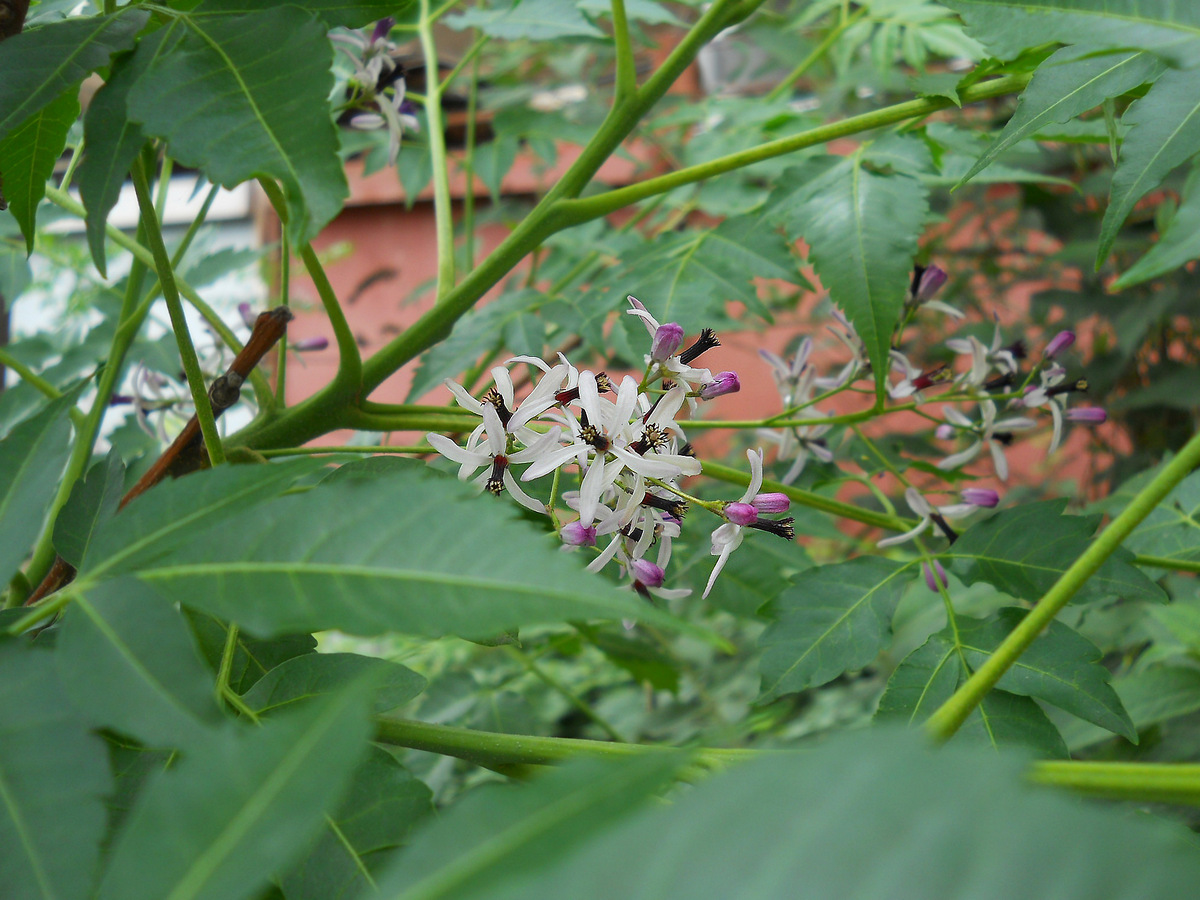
pixel 520 496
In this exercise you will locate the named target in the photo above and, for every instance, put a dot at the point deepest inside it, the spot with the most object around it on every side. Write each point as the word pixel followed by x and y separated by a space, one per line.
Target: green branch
pixel 183 338
pixel 820 50
pixel 1166 562
pixel 1139 782
pixel 950 716
pixel 442 208
pixel 626 68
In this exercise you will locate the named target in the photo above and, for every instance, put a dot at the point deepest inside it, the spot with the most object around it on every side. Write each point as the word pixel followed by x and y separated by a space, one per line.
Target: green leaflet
pixel 93 502
pixel 870 814
pixel 334 13
pixel 1179 242
pixel 221 821
pixel 1154 695
pixel 28 154
pixel 1172 530
pixel 1007 27
pixel 304 678
pixel 537 20
pixel 832 619
pixel 51 837
pixel 494 832
pixel 1024 550
pixel 1061 668
pixel 402 553
pixel 272 126
pixel 42 63
pixel 32 457
pixel 1164 132
pixel 1070 82
pixel 862 229
pixel 130 663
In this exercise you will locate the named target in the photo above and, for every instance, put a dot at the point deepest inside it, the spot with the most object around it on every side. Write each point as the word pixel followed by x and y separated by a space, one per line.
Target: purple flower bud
pixel 771 503
pixel 723 383
pixel 741 513
pixel 1059 343
pixel 305 345
pixel 1088 415
pixel 667 341
pixel 247 314
pixel 929 283
pixel 647 573
pixel 980 497
pixel 575 534
pixel 382 29
pixel 932 580
pixel 945 432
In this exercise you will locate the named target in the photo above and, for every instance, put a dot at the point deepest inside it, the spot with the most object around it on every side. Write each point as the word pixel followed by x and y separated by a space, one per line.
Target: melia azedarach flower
pixel 621 446
pixel 376 87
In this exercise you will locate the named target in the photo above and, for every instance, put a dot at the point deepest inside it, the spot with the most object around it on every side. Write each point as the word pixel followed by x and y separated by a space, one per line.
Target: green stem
pixel 35 380
pixel 1139 782
pixel 183 338
pixel 416 449
pixel 577 211
pixel 626 68
pixel 226 666
pixel 820 50
pixel 442 208
pixel 1165 562
pixel 348 381
pixel 468 164
pixel 950 716
pixel 285 299
pixel 810 499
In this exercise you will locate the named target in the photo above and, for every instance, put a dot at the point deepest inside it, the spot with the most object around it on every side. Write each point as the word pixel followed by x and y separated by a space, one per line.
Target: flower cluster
pixel 620 442
pixel 376 88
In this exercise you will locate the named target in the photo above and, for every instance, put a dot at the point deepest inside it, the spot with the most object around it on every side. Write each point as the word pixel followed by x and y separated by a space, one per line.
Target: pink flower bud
pixel 1059 343
pixel 771 503
pixel 305 345
pixel 980 497
pixel 247 314
pixel 928 283
pixel 741 513
pixel 723 383
pixel 667 341
pixel 647 573
pixel 931 579
pixel 1088 415
pixel 575 534
pixel 945 432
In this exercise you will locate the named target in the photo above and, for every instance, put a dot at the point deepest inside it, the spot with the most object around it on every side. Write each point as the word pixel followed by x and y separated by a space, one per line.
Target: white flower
pixel 992 432
pixel 728 537
pixel 983 359
pixel 929 514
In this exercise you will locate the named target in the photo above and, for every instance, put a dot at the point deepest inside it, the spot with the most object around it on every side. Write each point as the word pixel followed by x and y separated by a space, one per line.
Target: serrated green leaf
pixel 1023 551
pixel 220 822
pixel 1007 720
pixel 32 457
pixel 1008 27
pixel 41 63
pixel 272 125
pixel 92 503
pixel 129 662
pixel 862 231
pixel 492 831
pixel 382 805
pixel 161 519
pixel 871 814
pixel 937 84
pixel 535 20
pixel 303 678
pixel 832 619
pixel 53 780
pixel 407 553
pixel 1152 696
pixel 1164 132
pixel 1179 242
pixel 1172 529
pixel 1070 82
pixel 28 154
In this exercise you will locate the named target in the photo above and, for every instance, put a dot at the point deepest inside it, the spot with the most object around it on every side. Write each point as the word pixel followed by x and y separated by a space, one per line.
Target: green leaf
pixel 1024 550
pixel 1178 243
pixel 1008 27
pixel 111 141
pixel 381 807
pixel 334 13
pixel 302 678
pixel 862 230
pixel 42 63
pixel 832 619
pixel 245 805
pixel 28 154
pixel 129 661
pixel 93 502
pixel 252 658
pixel 53 778
pixel 535 20
pixel 871 814
pixel 407 553
pixel 1070 82
pixel 937 84
pixel 1151 696
pixel 32 457
pixel 1172 530
pixel 166 517
pixel 273 97
pixel 1164 132
pixel 644 659
pixel 494 830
